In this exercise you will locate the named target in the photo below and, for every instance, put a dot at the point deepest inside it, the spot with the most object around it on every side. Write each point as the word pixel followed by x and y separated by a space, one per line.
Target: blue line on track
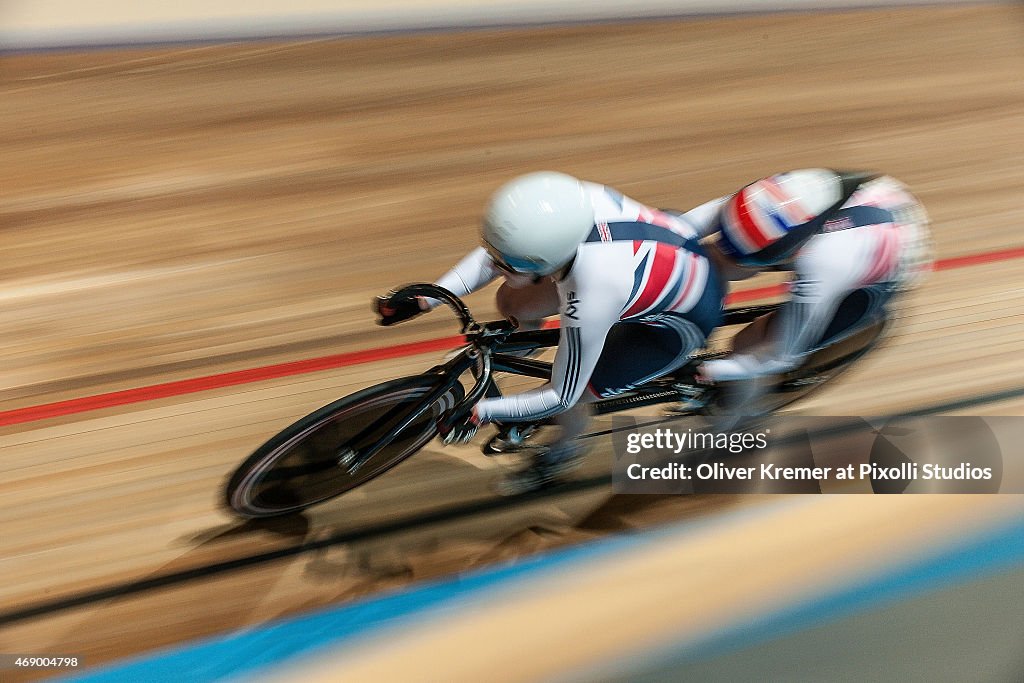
pixel 994 551
pixel 254 648
pixel 251 649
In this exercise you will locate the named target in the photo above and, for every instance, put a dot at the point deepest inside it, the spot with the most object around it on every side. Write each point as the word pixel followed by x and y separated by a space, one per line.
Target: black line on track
pixel 478 507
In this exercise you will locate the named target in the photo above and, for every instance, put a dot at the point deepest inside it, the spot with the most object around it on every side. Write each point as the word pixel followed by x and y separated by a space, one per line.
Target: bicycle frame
pixel 487 352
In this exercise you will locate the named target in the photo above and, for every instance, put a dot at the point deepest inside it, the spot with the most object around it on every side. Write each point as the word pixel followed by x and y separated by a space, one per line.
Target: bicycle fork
pixel 352 459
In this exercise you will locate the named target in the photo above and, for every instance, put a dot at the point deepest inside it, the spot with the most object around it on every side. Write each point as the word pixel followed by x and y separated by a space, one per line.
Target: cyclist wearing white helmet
pixel 635 293
pixel 852 241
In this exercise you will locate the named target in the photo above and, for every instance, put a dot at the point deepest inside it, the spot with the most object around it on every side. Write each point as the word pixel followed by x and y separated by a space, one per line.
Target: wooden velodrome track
pixel 175 213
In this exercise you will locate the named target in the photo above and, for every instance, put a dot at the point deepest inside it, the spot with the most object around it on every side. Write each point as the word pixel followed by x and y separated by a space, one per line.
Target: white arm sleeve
pixel 704 218
pixel 586 317
pixel 474 271
pixel 826 272
pixel 799 325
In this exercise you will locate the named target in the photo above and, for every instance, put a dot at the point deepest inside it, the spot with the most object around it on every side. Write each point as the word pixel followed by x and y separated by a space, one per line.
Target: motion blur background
pixel 192 232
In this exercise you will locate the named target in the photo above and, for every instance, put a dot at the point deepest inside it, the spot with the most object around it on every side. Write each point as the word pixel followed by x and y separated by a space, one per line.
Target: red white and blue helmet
pixel 767 222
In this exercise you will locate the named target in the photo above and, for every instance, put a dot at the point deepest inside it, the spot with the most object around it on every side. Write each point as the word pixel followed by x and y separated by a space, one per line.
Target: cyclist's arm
pixel 800 323
pixel 704 218
pixel 475 271
pixel 586 317
pixel 815 293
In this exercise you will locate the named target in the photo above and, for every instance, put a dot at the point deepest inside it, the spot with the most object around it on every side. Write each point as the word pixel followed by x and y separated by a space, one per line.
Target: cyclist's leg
pixel 528 303
pixel 875 297
pixel 755 334
pixel 827 270
pixel 859 309
pixel 855 310
pixel 634 353
pixel 860 270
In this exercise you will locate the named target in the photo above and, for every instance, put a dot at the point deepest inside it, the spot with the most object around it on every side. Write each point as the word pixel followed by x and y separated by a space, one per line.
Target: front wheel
pixel 299 467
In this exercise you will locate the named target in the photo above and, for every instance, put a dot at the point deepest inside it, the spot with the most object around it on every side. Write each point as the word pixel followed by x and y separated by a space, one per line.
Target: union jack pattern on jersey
pixel 639 268
pixel 669 275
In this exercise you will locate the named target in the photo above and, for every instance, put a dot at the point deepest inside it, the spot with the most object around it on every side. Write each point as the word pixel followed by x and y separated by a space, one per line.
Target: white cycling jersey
pixel 878 243
pixel 638 265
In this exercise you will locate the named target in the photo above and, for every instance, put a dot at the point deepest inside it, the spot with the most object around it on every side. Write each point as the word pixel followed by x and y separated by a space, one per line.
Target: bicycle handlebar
pixel 432 291
pixel 735 316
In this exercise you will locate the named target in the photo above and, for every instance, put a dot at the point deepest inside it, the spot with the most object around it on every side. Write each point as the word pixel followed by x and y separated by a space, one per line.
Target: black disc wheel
pixel 303 465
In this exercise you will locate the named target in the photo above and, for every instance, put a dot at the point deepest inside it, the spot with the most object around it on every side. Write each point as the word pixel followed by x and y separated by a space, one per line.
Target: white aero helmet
pixel 535 222
pixel 767 221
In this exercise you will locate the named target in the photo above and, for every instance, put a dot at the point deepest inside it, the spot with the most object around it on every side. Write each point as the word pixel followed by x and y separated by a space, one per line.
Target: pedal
pixel 510 440
pixel 691 400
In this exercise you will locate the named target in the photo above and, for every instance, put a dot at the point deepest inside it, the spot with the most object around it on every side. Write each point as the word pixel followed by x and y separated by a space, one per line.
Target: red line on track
pixel 226 379
pixel 978 259
pixel 341 360
pixel 745 295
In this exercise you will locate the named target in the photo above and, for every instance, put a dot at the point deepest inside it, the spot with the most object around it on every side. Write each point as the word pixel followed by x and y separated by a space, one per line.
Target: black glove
pixel 394 308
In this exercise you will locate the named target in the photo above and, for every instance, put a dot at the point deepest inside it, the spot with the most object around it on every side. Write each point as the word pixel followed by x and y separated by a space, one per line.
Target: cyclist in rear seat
pixel 852 242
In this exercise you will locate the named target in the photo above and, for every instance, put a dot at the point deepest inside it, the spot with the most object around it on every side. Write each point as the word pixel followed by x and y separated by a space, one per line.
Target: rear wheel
pixel 299 467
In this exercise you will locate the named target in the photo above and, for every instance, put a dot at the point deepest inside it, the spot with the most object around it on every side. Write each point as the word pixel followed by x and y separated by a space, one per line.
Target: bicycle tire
pixel 297 468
